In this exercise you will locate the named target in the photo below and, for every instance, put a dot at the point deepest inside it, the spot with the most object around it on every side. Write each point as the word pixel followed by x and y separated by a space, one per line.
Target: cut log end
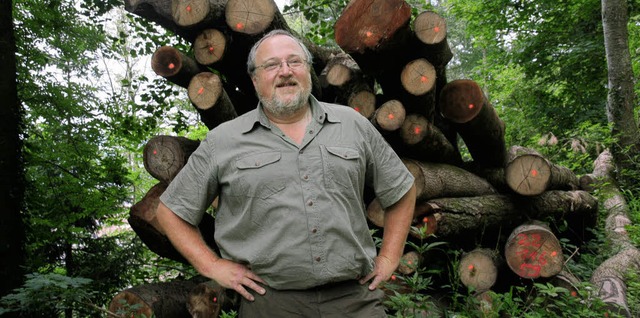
pixel 461 100
pixel 205 89
pixel 414 129
pixel 409 263
pixel 390 115
pixel 363 102
pixel 367 24
pixel 250 16
pixel 418 77
pixel 191 12
pixel 430 27
pixel 166 61
pixel 478 269
pixel 528 174
pixel 338 75
pixel 533 251
pixel 209 46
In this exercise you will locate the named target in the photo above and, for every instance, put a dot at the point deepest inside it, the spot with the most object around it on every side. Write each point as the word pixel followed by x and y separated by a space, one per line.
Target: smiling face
pixel 283 90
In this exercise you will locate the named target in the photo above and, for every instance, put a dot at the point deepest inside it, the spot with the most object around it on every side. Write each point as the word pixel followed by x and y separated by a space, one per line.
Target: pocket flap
pixel 258 160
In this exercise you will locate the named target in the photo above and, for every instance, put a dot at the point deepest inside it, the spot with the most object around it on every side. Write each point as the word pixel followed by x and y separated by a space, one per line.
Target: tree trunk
pixel 621 97
pixel 609 277
pixel 12 233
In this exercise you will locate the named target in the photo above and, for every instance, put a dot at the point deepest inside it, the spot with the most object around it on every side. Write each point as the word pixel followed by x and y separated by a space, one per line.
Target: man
pixel 290 175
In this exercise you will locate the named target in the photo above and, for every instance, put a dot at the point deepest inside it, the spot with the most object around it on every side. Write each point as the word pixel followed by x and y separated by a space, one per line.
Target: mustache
pixel 287 82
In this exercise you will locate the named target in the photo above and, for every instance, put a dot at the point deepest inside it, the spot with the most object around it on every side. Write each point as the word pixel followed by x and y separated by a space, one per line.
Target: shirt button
pixel 310 203
pixel 318 259
pixel 314 231
pixel 301 151
pixel 305 177
pixel 311 131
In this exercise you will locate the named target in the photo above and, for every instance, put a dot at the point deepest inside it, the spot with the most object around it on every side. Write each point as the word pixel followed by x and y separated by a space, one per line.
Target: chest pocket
pixel 258 176
pixel 342 167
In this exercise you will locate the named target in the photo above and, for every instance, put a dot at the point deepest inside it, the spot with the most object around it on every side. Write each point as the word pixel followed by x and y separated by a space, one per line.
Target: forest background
pixel 79 103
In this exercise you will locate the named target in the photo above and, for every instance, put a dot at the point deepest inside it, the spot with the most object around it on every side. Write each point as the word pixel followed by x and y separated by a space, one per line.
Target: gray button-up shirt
pixel 295 214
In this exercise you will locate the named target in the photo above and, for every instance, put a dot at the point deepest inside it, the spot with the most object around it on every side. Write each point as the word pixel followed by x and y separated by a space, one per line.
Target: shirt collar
pixel 319 113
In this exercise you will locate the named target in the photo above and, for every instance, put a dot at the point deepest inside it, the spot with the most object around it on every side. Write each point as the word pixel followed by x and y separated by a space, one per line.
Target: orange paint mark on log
pixel 436 29
pixel 201 90
pixel 240 26
pixel 554 253
pixel 393 277
pixel 409 262
pixel 573 293
pixel 188 8
pixel 211 49
pixel 534 173
pixel 391 116
pixel 369 34
pixel 155 151
pixel 417 130
pixel 215 299
pixel 471 267
pixel 423 79
pixel 472 106
pixel 172 66
pixel 425 220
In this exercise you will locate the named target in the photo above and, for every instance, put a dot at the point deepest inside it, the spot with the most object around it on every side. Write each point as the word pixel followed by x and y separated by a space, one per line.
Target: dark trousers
pixel 336 300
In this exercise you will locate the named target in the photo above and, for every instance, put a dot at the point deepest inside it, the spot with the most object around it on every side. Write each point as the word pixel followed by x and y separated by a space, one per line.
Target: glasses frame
pixel 274 67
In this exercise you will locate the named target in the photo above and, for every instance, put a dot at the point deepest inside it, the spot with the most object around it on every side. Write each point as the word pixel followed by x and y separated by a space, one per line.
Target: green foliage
pixel 48 295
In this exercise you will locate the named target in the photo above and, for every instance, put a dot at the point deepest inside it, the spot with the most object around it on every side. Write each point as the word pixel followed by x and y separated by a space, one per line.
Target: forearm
pixel 397 223
pixel 187 239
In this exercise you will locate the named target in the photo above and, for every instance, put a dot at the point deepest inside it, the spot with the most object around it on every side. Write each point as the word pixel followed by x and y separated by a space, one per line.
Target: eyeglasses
pixel 293 63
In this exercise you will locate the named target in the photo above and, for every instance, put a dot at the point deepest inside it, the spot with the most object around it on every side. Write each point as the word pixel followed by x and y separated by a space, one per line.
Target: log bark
pixel 437 180
pixel 164 156
pixel 174 65
pixel 160 12
pixel 464 103
pixel 529 173
pixel 161 300
pixel 143 221
pixel 478 269
pixel 468 216
pixel 207 94
pixel 532 251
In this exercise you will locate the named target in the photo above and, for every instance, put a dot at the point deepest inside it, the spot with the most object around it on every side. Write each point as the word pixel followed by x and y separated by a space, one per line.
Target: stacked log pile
pixel 392 70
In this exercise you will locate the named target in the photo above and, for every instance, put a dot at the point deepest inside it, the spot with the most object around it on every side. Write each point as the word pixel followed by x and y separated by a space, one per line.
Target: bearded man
pixel 290 177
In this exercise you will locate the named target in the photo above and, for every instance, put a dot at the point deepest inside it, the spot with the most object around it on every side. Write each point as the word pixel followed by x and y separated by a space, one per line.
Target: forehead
pixel 278 46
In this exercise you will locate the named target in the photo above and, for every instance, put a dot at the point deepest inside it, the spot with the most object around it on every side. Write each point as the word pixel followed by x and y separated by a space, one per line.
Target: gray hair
pixel 251 60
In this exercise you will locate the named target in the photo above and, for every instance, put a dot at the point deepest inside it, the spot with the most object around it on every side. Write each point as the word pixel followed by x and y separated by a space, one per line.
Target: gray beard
pixel 282 109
